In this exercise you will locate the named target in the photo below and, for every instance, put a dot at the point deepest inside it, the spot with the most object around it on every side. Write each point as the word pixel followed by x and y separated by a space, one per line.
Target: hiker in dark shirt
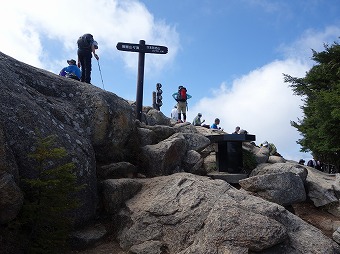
pixel 237 130
pixel 86 47
pixel 302 162
pixel 315 164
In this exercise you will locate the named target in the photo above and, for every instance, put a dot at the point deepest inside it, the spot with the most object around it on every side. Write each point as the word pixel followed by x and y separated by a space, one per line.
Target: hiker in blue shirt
pixel 71 69
pixel 215 124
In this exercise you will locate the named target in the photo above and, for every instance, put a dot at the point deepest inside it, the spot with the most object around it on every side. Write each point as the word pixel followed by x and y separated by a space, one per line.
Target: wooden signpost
pixel 141 48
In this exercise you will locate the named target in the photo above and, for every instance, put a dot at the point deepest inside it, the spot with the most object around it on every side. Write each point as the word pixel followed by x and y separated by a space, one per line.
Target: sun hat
pixel 71 62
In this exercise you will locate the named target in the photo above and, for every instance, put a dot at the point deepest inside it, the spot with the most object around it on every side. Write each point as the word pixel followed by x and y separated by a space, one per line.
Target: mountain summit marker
pixel 141 48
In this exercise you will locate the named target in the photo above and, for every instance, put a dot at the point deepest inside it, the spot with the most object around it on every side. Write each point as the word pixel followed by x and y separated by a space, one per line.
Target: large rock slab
pixel 196 141
pixel 116 191
pixel 261 154
pixel 87 237
pixel 165 157
pixel 185 213
pixel 91 124
pixel 121 169
pixel 156 117
pixel 193 163
pixel 267 168
pixel 282 188
pixel 320 188
pixel 11 198
pixel 157 134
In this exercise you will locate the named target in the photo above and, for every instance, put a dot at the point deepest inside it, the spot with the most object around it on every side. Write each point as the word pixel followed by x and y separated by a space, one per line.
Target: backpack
pixel 85 41
pixel 182 94
pixel 71 75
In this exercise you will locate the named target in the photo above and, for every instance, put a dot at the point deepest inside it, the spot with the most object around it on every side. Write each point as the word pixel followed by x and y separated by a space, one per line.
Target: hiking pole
pixel 100 74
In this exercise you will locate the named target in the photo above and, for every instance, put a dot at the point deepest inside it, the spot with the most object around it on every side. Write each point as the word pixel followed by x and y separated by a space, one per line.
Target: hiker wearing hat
pixel 197 120
pixel 271 147
pixel 86 47
pixel 71 71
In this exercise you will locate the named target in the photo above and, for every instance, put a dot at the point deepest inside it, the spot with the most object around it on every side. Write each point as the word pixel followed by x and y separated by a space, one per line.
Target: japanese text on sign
pixel 134 47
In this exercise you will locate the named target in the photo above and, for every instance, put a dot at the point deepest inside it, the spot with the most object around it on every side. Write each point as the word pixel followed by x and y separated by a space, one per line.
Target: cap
pixel 199 114
pixel 95 43
pixel 72 62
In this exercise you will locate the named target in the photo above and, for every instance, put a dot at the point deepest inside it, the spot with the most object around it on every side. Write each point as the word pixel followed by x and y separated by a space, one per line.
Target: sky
pixel 230 54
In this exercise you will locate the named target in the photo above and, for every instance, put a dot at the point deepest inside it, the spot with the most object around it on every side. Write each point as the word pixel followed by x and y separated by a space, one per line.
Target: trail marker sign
pixel 141 48
pixel 154 49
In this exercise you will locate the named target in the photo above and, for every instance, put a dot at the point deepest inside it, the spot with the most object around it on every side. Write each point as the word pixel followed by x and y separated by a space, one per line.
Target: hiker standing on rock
pixel 181 97
pixel 174 113
pixel 86 47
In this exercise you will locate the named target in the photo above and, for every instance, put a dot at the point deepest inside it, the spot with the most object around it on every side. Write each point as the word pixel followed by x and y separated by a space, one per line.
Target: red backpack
pixel 182 94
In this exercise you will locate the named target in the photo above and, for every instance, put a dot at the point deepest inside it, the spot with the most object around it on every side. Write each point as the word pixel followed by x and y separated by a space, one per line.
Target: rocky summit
pixel 149 184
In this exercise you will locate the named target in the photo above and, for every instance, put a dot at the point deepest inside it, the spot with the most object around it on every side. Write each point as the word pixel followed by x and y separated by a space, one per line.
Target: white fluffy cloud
pixel 44 33
pixel 26 24
pixel 261 103
pixel 310 39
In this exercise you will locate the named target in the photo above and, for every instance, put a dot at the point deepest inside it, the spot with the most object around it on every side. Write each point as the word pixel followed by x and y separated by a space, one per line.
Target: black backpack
pixel 182 94
pixel 85 41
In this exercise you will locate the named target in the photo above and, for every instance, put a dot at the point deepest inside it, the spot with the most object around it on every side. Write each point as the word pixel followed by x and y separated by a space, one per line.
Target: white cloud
pixel 33 22
pixel 310 39
pixel 261 103
pixel 19 38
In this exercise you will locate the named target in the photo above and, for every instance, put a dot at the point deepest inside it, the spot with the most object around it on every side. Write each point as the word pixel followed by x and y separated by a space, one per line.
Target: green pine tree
pixel 320 90
pixel 49 199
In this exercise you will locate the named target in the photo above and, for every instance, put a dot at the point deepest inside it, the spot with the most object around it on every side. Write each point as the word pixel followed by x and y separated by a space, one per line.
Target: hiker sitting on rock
pixel 271 147
pixel 215 126
pixel 197 120
pixel 71 71
pixel 237 130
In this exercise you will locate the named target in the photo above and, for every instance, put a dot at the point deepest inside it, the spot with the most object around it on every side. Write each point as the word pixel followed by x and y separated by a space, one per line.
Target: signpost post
pixel 141 48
